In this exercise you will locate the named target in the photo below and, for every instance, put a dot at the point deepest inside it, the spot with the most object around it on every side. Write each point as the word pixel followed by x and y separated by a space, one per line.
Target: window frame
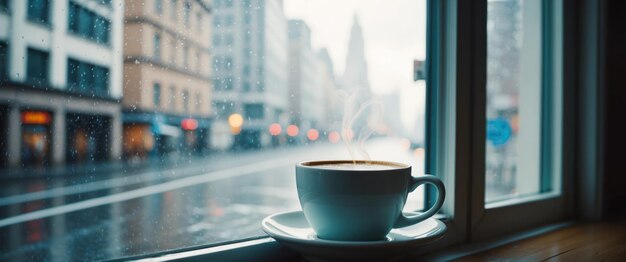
pixel 489 220
pixel 456 66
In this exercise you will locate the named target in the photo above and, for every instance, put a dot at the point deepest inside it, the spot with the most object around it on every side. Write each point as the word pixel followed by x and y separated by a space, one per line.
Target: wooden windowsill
pixel 601 241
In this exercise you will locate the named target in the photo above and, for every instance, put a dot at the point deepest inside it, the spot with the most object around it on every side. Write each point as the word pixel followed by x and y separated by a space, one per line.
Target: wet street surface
pixel 162 206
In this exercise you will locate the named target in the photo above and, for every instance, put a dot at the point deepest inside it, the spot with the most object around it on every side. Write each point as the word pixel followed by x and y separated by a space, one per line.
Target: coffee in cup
pixel 359 200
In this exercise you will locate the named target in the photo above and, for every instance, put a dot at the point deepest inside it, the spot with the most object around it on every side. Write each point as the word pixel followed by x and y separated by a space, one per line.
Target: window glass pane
pixel 158 6
pixel 4 4
pixel 37 67
pixel 38 11
pixel 4 61
pixel 156 95
pixel 517 66
pixel 149 134
pixel 87 24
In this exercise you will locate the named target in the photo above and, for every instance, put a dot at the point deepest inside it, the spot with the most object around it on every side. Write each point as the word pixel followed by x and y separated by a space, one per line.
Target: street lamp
pixel 235 121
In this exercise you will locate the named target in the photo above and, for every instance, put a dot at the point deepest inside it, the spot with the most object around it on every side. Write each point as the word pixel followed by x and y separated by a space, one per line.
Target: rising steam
pixel 349 119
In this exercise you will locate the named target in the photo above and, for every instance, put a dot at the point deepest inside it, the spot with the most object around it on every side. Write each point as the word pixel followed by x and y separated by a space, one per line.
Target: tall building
pixel 250 68
pixel 306 94
pixel 60 81
pixel 355 76
pixel 167 77
pixel 333 108
pixel 355 79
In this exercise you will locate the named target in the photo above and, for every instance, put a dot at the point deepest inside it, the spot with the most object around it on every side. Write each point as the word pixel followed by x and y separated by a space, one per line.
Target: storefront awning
pixel 166 130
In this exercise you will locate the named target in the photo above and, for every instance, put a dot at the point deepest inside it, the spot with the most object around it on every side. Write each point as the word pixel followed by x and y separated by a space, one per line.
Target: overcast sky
pixel 394 33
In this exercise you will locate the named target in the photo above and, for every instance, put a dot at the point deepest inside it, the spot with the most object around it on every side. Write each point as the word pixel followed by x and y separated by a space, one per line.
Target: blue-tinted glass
pixel 186 12
pixel 158 6
pixel 174 9
pixel 101 75
pixel 254 111
pixel 4 61
pixel 86 78
pixel 37 67
pixel 88 24
pixel 156 94
pixel 157 47
pixel 38 10
pixel 73 76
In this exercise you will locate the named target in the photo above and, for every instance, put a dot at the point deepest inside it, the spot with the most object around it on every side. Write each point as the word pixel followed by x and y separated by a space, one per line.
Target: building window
pixel 186 56
pixel 186 100
pixel 229 39
pixel 228 3
pixel 157 47
pixel 3 62
pixel 4 4
pixel 187 13
pixel 247 19
pixel 39 11
pixel 216 40
pixel 158 6
pixel 246 86
pixel 216 21
pixel 156 95
pixel 87 78
pixel 199 61
pixel 88 24
pixel 199 21
pixel 254 111
pixel 229 21
pixel 246 70
pixel 228 83
pixel 174 9
pixel 228 63
pixel 37 67
pixel 173 50
pixel 171 101
pixel 198 102
pixel 223 109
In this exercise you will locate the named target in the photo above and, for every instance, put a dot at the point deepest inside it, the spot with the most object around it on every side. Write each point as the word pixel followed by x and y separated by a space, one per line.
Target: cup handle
pixel 403 220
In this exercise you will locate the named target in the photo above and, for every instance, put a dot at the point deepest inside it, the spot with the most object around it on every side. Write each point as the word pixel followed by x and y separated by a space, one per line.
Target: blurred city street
pixel 164 205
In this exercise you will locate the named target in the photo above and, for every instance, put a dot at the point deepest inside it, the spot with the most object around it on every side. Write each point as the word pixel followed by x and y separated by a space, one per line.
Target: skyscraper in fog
pixel 250 67
pixel 60 81
pixel 355 76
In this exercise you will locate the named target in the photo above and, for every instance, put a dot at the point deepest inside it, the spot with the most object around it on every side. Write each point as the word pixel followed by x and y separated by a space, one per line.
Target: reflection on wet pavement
pixel 205 202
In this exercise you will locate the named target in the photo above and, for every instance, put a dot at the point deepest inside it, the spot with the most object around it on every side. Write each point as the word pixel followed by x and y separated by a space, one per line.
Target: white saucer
pixel 292 230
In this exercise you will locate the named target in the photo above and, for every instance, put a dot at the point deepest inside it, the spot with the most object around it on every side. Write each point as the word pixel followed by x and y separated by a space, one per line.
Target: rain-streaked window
pixel 135 127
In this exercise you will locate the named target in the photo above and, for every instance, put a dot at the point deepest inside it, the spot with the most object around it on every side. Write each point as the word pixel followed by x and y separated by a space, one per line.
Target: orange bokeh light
pixel 189 124
pixel 334 137
pixel 312 134
pixel 275 129
pixel 292 130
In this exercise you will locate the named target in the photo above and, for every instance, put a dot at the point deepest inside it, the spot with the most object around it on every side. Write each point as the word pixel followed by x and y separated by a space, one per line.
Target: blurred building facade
pixel 306 94
pixel 332 103
pixel 60 81
pixel 167 77
pixel 250 67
